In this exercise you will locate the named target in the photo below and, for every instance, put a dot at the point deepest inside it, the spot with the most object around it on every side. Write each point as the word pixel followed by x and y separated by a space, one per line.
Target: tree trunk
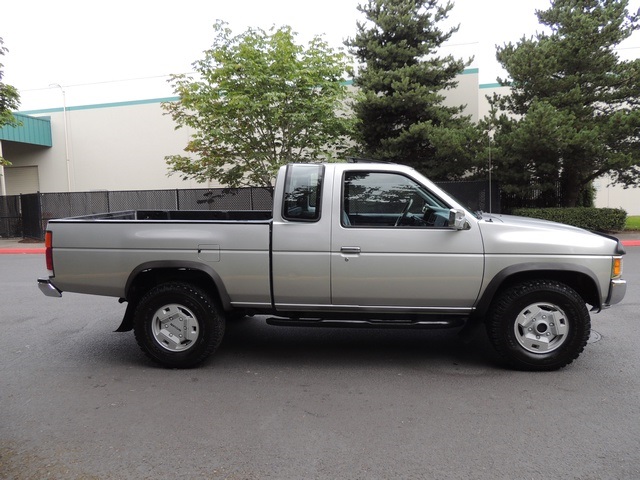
pixel 570 188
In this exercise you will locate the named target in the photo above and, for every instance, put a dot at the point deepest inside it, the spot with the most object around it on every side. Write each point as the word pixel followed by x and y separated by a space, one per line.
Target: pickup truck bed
pixel 102 254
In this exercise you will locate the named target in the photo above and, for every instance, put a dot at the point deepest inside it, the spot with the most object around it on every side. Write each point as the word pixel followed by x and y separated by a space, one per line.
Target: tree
pixel 261 101
pixel 400 111
pixel 9 100
pixel 572 114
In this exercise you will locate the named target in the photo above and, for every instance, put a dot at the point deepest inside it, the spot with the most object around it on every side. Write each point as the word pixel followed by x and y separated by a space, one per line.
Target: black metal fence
pixel 31 216
pixel 532 198
pixel 10 216
pixel 27 215
pixel 475 194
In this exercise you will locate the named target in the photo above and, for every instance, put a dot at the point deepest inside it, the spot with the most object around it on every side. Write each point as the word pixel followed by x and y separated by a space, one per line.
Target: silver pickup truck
pixel 347 244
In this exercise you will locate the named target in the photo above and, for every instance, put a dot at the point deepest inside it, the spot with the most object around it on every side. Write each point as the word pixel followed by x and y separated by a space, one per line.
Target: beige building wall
pixel 121 146
pixel 608 196
pixel 106 147
pixel 465 93
pixel 487 91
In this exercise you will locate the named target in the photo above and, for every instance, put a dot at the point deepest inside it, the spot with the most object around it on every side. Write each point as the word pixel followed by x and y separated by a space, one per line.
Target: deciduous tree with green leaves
pixel 9 100
pixel 572 113
pixel 260 101
pixel 401 115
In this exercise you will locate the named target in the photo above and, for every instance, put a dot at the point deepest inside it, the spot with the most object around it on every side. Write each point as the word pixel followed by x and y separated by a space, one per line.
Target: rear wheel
pixel 178 325
pixel 539 325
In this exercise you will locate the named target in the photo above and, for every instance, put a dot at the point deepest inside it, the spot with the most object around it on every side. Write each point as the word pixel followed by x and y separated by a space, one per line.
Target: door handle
pixel 350 250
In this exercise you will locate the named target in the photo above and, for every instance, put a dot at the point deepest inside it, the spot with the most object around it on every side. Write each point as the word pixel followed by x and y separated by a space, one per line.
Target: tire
pixel 178 325
pixel 539 325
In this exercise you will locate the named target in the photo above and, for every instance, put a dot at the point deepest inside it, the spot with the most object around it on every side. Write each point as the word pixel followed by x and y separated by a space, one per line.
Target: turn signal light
pixel 616 271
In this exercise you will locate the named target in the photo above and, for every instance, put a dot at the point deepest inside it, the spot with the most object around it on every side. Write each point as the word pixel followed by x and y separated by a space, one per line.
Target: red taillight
pixel 48 249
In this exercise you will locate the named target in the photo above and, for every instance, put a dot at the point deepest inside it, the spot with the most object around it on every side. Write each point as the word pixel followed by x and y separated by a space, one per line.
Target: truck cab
pixel 362 236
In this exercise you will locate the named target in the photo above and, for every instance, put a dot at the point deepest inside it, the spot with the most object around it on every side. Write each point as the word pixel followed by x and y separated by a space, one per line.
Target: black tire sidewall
pixel 502 318
pixel 211 324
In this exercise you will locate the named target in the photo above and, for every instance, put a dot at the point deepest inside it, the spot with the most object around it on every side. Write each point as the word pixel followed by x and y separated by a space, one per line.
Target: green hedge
pixel 597 219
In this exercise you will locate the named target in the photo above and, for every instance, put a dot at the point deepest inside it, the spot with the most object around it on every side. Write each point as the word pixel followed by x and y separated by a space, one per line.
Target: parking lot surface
pixel 82 402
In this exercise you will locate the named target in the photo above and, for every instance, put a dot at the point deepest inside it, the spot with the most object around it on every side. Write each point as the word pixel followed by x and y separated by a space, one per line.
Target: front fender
pixel 580 278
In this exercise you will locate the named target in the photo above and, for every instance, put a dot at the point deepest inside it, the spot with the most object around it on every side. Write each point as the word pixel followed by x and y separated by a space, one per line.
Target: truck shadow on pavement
pixel 253 340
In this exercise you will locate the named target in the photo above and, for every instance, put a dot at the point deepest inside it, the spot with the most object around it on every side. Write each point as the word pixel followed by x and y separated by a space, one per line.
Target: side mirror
pixel 457 220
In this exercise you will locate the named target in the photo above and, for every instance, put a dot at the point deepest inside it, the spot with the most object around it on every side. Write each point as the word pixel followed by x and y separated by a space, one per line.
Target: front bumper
pixel 617 290
pixel 48 288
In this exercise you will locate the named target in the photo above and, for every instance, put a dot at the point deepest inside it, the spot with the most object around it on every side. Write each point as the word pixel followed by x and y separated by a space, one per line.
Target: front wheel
pixel 539 325
pixel 178 325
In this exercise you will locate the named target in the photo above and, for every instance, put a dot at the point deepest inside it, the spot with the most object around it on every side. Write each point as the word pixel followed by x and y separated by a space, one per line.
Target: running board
pixel 423 323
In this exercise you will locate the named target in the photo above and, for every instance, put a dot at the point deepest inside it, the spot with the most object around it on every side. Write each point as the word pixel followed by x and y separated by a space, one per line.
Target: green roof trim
pixel 31 130
pixel 491 85
pixel 100 105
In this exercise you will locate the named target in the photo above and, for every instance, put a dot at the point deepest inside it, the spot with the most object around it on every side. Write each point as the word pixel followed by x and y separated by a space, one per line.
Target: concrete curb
pixel 21 251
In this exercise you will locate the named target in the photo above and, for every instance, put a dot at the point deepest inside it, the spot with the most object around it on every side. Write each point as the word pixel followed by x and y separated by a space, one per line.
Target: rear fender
pixel 150 274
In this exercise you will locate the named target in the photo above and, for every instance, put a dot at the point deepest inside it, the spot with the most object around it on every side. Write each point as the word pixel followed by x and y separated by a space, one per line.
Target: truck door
pixel 301 238
pixel 392 246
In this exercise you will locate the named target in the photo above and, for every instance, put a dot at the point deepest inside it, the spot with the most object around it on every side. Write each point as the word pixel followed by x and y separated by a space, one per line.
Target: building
pixel 115 146
pixel 122 146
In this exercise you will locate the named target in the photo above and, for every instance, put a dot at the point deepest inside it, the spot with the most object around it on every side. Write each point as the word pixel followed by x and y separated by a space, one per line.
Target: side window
pixel 386 199
pixel 302 193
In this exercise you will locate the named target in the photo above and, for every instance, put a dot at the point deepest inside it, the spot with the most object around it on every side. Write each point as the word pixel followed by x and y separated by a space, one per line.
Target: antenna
pixel 490 189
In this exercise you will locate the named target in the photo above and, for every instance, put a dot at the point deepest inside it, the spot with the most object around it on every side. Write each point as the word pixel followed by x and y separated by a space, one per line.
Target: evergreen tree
pixel 572 114
pixel 400 111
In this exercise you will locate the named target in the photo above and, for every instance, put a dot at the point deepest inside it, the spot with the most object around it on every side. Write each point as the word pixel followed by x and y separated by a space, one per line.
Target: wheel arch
pixel 580 278
pixel 150 274
pixel 147 275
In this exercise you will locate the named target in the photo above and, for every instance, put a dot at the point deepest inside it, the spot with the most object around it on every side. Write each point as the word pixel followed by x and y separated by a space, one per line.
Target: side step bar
pixel 421 323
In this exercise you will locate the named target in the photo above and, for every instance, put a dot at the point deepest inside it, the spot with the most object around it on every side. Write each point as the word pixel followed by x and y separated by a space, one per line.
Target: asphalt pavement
pixel 80 402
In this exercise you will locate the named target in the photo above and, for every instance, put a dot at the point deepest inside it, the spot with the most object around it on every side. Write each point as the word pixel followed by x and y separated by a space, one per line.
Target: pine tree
pixel 400 112
pixel 572 114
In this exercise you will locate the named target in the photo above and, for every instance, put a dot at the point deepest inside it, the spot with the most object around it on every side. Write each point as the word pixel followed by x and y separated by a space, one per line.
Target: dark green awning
pixel 33 130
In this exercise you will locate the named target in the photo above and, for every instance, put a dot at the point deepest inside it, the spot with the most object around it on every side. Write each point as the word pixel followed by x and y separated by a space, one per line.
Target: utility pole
pixel 66 133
